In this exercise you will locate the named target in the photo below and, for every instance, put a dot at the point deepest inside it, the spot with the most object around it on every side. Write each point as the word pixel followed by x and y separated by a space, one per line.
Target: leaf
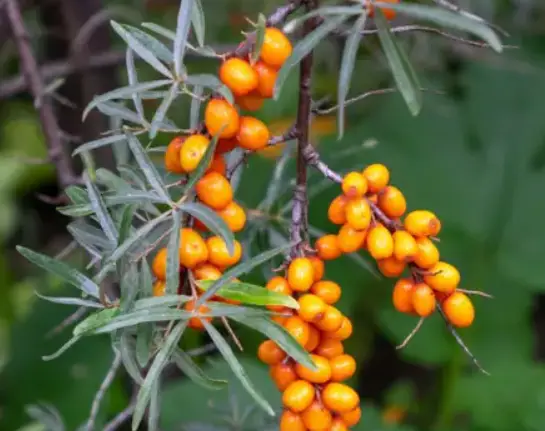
pixel 94 321
pixel 128 197
pixel 137 317
pixel 402 70
pixel 211 81
pixel 162 110
pixel 77 194
pixel 323 12
pixel 63 349
pixel 234 364
pixel 154 372
pixel 173 256
pixel 146 281
pixel 160 30
pixel 198 21
pixel 99 208
pixel 125 224
pixel 259 37
pixel 160 301
pixel 127 351
pixel 182 31
pixel 188 366
pixel 162 52
pixel 88 235
pixel 144 52
pixel 129 288
pixel 62 270
pixel 113 109
pixel 195 109
pixel 132 77
pixel 144 344
pixel 347 68
pixel 154 407
pixel 98 143
pixel 70 301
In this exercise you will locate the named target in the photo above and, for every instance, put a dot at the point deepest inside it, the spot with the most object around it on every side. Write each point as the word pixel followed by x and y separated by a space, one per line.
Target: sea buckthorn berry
pixel 299 329
pixel 193 249
pixel 159 288
pixel 378 177
pixel 336 213
pixel 206 271
pixel 427 255
pixel 300 274
pixel 380 242
pixel 298 396
pixel 358 214
pixel 279 285
pixel 317 418
pixel 402 296
pixel 350 240
pixel 159 264
pixel 238 75
pixel 459 310
pixel 329 348
pixel 392 202
pixel 422 223
pixel 322 374
pixel 250 102
pixel 281 320
pixel 270 353
pixel 343 367
pixel 218 252
pixel 192 152
pixel 405 246
pixel 354 185
pixel 340 398
pixel 319 267
pixel 217 165
pixel 351 418
pixel 197 322
pixel 338 425
pixel 442 277
pixel 344 331
pixel 220 114
pixel 253 134
pixel 290 421
pixel 329 291
pixel 214 191
pixel 391 267
pixel 332 320
pixel 234 216
pixel 276 48
pixel 423 300
pixel 226 145
pixel 389 14
pixel 172 155
pixel 311 308
pixel 266 79
pixel 327 247
pixel 283 375
pixel 313 339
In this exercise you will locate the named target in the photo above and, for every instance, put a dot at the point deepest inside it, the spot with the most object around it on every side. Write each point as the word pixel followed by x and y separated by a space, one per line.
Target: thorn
pixel 476 293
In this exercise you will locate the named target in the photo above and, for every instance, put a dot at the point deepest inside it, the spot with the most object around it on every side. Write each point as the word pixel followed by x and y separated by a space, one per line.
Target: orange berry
pixel 392 202
pixel 423 300
pixel 459 310
pixel 290 421
pixel 405 247
pixel 172 155
pixel 281 320
pixel 389 14
pixel 300 274
pixel 319 267
pixel 329 291
pixel 234 216
pixel 279 285
pixel 192 152
pixel 343 367
pixel 266 78
pixel 332 320
pixel 344 331
pixel 283 375
pixel 358 213
pixel 206 271
pixel 220 114
pixel 238 75
pixel 354 185
pixel 351 418
pixel 214 191
pixel 380 242
pixel 250 102
pixel 340 398
pixel 299 329
pixel 192 248
pixel 327 247
pixel 159 264
pixel 159 288
pixel 313 339
pixel 422 223
pixel 253 134
pixel 336 212
pixel 442 277
pixel 322 374
pixel 317 418
pixel 311 308
pixel 350 240
pixel 338 425
pixel 298 396
pixel 428 254
pixel 226 145
pixel 276 48
pixel 218 253
pixel 270 353
pixel 391 267
pixel 197 322
pixel 218 165
pixel 330 348
pixel 378 177
pixel 402 296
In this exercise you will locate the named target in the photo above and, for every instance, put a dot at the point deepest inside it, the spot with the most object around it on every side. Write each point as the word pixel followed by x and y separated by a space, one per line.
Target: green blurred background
pixel 475 156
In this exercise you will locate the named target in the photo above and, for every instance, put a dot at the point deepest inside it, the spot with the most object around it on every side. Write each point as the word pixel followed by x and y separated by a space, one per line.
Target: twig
pixel 232 333
pixel 121 418
pixel 409 337
pixel 74 317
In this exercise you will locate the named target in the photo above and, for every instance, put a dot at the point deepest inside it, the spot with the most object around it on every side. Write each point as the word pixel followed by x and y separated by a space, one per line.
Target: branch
pixel 121 418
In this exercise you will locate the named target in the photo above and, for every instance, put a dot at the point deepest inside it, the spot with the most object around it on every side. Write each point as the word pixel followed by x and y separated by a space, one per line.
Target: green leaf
pixel 88 235
pixel 129 288
pixel 132 77
pixel 98 143
pixel 259 37
pixel 154 406
pixel 323 12
pixel 160 301
pixel 235 365
pixel 198 21
pixel 77 194
pixel 94 321
pixel 182 31
pixel 188 366
pixel 144 344
pixel 113 109
pixel 154 372
pixel 203 165
pixel 173 256
pixel 63 349
pixel 127 350
pixel 160 30
pixel 62 270
pixel 162 52
pixel 70 301
pixel 146 281
pixel 125 224
pixel 402 70
pixel 303 48
pixel 212 82
pixel 139 48
pixel 162 110
pixel 195 109
pixel 347 68
pixel 128 197
pixel 137 317
pixel 99 208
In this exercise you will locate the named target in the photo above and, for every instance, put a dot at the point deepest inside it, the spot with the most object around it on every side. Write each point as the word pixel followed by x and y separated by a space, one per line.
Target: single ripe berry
pixel 159 264
pixel 172 155
pixel 336 213
pixel 290 421
pixel 422 223
pixel 225 145
pixel 314 339
pixel 279 285
pixel 322 374
pixel 298 396
pixel 442 277
pixel 283 375
pixel 218 165
pixel 299 329
pixel 344 331
pixel 193 249
pixel 218 252
pixel 392 202
pixel 206 271
pixel 340 398
pixel 266 78
pixel 197 321
pixel 358 213
pixel 253 134
pixel 327 247
pixel 234 216
pixel 300 274
pixel 311 308
pixel 276 48
pixel 378 177
pixel 389 14
pixel 238 75
pixel 405 246
pixel 351 240
pixel 329 348
pixel 332 320
pixel 319 267
pixel 316 417
pixel 423 300
pixel 221 116
pixel 343 367
pixel 427 255
pixel 391 267
pixel 192 152
pixel 351 418
pixel 270 353
pixel 329 291
pixel 354 185
pixel 402 296
pixel 159 288
pixel 459 310
pixel 338 425
pixel 214 191
pixel 250 102
pixel 380 242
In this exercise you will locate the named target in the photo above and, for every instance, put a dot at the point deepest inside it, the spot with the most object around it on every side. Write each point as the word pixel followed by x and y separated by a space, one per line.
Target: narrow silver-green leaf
pixel 195 109
pixel 183 25
pixel 63 349
pixel 173 256
pixel 161 111
pixel 132 77
pixel 324 12
pixel 212 82
pixel 198 21
pixel 144 344
pixel 77 194
pixel 259 37
pixel 165 32
pixel 161 51
pixel 128 197
pixel 70 301
pixel 146 280
pixel 88 234
pixel 188 366
pixel 95 321
pixel 203 165
pixel 113 109
pixel 160 301
pixel 127 350
pixel 140 316
pixel 98 143
pixel 99 208
pixel 154 410
pixel 129 288
pixel 125 224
